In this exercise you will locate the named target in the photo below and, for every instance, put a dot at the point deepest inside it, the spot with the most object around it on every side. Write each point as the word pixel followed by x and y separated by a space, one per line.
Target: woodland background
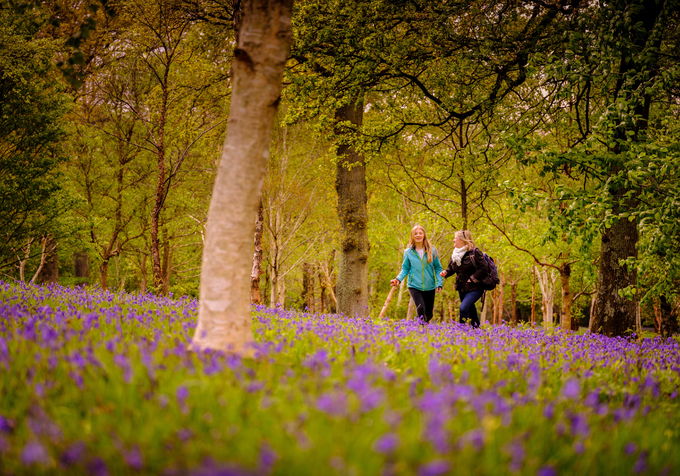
pixel 549 129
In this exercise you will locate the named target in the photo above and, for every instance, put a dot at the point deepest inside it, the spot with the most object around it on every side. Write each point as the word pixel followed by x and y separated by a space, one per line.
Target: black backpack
pixel 491 280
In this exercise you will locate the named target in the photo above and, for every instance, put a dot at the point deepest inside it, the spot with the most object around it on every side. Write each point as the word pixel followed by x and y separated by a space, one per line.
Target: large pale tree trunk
pixel 352 288
pixel 224 321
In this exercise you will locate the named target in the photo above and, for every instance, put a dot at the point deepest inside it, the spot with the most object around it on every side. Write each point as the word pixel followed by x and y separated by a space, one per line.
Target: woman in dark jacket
pixel 468 264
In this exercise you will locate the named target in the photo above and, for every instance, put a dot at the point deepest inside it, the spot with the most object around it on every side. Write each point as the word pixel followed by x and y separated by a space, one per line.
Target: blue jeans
pixel 468 310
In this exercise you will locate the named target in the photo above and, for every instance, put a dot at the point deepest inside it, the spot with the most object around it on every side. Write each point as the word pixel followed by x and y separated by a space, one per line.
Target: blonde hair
pixel 426 243
pixel 466 236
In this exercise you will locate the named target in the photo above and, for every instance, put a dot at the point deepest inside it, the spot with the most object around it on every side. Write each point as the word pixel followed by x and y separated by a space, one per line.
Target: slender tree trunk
pixel 267 285
pixel 352 289
pixel 160 187
pixel 546 281
pixel 565 275
pixel 273 292
pixel 322 295
pixel 44 251
pixel 167 266
pixel 24 259
pixel 485 309
pixel 50 270
pixel 657 317
pixel 533 296
pixel 308 287
pixel 411 309
pixel 591 318
pixel 463 202
pixel 142 274
pixel 402 286
pixel 513 303
pixel 224 320
pixel 104 275
pixel 501 297
pixel 256 270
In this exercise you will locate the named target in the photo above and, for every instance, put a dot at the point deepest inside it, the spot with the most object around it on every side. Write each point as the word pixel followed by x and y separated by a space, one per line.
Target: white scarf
pixel 458 254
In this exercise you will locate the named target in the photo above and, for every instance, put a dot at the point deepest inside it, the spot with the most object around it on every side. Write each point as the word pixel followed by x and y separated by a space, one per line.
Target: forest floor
pixel 99 383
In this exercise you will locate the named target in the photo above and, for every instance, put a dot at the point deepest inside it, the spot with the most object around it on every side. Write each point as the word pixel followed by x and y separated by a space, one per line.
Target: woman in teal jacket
pixel 422 266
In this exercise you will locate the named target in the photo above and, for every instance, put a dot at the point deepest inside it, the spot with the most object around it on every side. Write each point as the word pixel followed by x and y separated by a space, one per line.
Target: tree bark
pixel 513 303
pixel 224 320
pixel 322 297
pixel 281 292
pixel 274 291
pixel 658 319
pixel 546 281
pixel 565 318
pixel 669 319
pixel 142 274
pixel 104 275
pixel 501 298
pixel 256 270
pixel 308 287
pixel 167 267
pixel 615 314
pixel 485 309
pixel 533 296
pixel 160 187
pixel 463 202
pixel 50 270
pixel 352 289
pixel 81 265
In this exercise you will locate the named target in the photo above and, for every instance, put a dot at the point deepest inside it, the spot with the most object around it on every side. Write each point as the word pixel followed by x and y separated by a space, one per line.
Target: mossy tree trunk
pixel 352 287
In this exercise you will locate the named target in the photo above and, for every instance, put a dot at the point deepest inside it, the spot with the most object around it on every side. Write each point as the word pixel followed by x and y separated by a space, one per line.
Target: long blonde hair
pixel 466 236
pixel 426 243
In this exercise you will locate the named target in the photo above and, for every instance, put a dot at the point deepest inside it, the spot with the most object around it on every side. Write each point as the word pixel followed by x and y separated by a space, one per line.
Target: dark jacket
pixel 476 268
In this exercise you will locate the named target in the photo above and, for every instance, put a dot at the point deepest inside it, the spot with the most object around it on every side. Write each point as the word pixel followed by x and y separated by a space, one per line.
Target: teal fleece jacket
pixel 421 274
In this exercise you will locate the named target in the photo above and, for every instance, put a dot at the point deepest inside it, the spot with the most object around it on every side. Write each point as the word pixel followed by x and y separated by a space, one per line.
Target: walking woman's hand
pixel 395 282
pixel 443 274
pixel 439 289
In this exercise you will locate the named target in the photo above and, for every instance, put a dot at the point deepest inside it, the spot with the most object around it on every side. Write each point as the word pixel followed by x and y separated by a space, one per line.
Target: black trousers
pixel 424 301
